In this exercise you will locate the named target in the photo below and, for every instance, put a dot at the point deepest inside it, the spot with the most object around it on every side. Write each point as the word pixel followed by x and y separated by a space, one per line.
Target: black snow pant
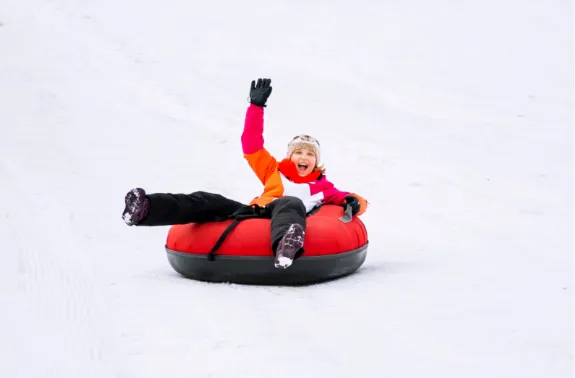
pixel 198 207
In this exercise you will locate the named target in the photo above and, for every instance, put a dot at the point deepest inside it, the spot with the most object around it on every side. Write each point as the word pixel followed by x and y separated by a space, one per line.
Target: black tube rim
pixel 204 256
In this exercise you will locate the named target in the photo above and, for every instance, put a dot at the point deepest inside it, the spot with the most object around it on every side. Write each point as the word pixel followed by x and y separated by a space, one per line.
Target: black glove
pixel 259 93
pixel 353 202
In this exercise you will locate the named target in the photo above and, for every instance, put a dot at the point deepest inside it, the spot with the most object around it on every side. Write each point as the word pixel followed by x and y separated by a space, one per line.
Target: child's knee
pixel 292 202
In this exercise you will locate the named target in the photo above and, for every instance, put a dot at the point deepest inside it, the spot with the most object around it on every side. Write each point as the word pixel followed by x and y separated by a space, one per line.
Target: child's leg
pixel 168 209
pixel 288 224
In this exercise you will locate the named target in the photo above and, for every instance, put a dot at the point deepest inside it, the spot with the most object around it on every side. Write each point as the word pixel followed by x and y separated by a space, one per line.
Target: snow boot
pixel 137 206
pixel 288 246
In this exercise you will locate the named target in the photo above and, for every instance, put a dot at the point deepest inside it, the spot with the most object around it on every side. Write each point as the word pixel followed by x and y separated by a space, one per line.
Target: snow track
pixel 460 136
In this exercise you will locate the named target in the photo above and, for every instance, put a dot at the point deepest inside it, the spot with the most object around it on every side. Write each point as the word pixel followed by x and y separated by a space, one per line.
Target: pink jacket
pixel 281 178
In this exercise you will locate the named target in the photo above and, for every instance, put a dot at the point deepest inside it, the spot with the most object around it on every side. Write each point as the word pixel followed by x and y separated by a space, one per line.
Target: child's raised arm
pixel 257 156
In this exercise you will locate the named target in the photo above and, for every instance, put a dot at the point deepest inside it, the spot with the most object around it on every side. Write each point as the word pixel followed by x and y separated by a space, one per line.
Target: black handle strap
pixel 246 212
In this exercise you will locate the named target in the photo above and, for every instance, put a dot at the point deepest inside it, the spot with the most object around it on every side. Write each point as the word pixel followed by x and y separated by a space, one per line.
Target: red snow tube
pixel 333 248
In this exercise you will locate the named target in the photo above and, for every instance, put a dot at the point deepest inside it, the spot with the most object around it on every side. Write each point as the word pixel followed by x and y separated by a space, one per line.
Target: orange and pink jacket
pixel 281 178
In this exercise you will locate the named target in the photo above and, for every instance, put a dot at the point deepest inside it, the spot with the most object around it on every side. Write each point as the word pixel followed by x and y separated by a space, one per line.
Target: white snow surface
pixel 454 119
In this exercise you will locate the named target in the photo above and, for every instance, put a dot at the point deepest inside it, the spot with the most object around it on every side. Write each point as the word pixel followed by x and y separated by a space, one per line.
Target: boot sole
pixel 133 205
pixel 290 244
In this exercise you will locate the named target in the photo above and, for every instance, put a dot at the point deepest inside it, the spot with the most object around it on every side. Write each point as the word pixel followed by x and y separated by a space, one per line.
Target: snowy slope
pixel 455 119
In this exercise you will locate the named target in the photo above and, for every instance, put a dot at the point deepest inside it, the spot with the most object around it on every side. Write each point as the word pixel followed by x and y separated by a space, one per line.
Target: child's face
pixel 304 161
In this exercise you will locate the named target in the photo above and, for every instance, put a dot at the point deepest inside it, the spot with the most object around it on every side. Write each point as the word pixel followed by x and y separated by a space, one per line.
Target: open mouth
pixel 302 167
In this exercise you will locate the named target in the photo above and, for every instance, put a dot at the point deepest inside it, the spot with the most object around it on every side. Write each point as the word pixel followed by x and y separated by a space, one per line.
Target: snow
pixel 283 262
pixel 454 119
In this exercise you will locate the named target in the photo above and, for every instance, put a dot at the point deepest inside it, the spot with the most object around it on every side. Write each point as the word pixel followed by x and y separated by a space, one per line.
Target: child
pixel 293 187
